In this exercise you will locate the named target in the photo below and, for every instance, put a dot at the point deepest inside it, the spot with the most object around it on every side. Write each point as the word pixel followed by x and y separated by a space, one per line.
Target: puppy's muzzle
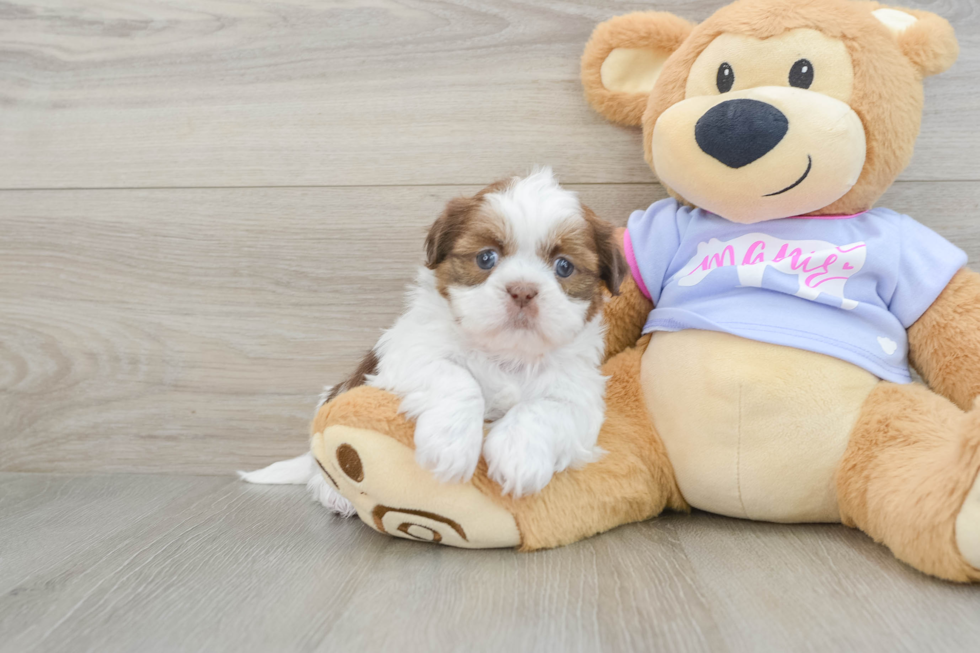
pixel 522 293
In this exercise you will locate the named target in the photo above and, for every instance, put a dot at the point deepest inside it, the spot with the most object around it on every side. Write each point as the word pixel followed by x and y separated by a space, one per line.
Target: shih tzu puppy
pixel 500 348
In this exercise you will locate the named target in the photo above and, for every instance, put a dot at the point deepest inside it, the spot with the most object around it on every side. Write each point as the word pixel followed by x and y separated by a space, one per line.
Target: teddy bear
pixel 758 355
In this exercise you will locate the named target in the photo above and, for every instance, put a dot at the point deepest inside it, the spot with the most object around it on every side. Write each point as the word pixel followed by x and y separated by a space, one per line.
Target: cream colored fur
pixel 632 70
pixel 752 430
pixel 968 526
pixel 389 468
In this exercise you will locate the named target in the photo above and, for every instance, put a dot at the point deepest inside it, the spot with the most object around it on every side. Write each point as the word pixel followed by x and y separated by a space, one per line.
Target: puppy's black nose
pixel 738 132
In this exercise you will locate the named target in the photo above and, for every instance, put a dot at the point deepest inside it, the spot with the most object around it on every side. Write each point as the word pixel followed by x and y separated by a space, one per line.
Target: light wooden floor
pixel 209 209
pixel 184 563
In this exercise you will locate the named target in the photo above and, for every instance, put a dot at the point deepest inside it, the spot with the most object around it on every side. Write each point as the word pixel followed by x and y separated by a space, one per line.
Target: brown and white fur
pixel 516 344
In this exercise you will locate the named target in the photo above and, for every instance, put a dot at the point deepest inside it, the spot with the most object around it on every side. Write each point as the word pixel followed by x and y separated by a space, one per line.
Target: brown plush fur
pixel 930 43
pixel 365 407
pixel 910 462
pixel 624 314
pixel 633 482
pixel 944 344
pixel 654 30
pixel 888 95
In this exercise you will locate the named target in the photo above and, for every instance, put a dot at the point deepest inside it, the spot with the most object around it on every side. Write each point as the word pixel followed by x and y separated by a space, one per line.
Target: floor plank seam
pixel 652 182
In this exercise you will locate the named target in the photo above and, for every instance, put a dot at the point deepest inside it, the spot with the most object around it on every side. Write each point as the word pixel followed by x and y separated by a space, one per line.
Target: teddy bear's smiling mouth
pixel 809 165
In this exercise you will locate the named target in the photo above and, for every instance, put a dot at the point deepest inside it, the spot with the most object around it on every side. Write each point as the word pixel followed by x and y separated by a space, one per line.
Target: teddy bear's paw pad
pixel 393 495
pixel 968 526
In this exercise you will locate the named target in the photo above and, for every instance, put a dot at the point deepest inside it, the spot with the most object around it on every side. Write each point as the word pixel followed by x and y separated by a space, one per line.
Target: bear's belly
pixel 752 430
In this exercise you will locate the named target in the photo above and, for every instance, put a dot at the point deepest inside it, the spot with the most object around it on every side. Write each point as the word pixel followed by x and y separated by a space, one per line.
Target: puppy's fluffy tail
pixel 302 470
pixel 295 471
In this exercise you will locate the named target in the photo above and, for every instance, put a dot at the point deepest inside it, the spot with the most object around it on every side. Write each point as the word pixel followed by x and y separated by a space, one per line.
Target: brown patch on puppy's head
pixel 465 228
pixel 612 262
pixel 591 247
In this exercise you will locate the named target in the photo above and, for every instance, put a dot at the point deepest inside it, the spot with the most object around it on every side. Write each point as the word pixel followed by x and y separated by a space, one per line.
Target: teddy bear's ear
pixel 927 40
pixel 623 59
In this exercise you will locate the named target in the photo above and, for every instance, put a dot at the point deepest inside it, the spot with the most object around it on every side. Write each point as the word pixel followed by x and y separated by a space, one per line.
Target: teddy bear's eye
pixel 726 77
pixel 801 74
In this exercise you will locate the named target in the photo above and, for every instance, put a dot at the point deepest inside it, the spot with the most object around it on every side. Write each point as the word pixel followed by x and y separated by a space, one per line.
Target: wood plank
pixel 223 562
pixel 190 331
pixel 847 592
pixel 260 568
pixel 155 563
pixel 300 92
pixel 45 520
pixel 629 590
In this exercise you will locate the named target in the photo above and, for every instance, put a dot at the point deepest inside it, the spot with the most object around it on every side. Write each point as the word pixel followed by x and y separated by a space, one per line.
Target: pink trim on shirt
pixel 826 217
pixel 631 261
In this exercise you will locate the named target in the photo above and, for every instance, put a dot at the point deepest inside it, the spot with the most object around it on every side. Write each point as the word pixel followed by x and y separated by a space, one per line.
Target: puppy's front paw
pixel 448 443
pixel 520 462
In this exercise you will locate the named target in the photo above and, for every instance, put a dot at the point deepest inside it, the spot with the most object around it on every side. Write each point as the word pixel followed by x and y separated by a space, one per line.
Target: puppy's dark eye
pixel 564 267
pixel 726 77
pixel 801 74
pixel 486 259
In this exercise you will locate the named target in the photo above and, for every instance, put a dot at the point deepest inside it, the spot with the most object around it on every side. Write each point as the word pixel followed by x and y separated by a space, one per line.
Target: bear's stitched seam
pixel 738 454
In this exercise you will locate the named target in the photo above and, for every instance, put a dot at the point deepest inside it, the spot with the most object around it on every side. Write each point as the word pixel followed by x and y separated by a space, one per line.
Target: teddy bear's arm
pixel 944 344
pixel 625 313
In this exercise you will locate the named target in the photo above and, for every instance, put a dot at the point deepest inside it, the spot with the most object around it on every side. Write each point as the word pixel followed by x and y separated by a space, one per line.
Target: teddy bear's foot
pixel 909 479
pixel 968 526
pixel 968 519
pixel 393 495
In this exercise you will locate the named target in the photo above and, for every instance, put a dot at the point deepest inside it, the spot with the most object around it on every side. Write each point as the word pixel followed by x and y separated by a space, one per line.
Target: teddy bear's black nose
pixel 738 132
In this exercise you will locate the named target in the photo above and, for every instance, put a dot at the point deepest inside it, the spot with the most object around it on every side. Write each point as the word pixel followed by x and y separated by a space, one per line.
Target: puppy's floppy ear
pixel 927 40
pixel 623 59
pixel 612 261
pixel 447 229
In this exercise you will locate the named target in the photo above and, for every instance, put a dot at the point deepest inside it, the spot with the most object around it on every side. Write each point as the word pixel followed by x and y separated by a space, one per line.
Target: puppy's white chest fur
pixel 505 383
pixel 500 392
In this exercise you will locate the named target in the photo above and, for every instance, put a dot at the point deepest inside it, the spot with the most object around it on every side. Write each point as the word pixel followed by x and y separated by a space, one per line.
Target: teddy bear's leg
pixel 365 449
pixel 909 479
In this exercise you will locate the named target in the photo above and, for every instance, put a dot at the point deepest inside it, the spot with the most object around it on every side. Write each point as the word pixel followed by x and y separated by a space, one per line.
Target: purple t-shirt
pixel 848 287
